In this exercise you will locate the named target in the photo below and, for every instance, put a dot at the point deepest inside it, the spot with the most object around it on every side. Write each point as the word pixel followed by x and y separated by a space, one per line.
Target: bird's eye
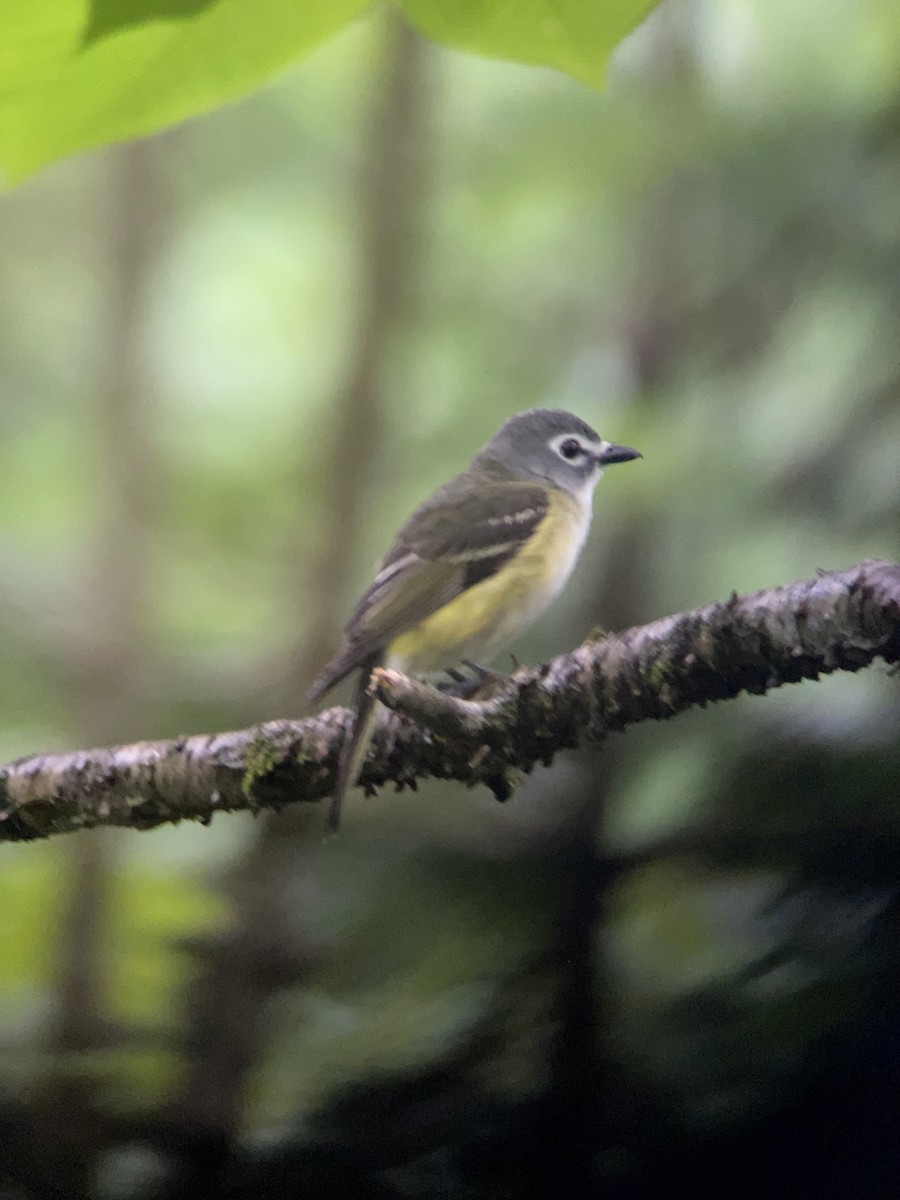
pixel 571 448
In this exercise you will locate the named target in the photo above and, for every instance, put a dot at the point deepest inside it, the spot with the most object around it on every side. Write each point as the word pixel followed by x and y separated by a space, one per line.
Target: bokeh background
pixel 232 358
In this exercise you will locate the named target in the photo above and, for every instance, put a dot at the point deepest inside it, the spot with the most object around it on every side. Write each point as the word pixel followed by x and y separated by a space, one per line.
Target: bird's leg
pixel 454 684
pixel 485 682
pixel 480 672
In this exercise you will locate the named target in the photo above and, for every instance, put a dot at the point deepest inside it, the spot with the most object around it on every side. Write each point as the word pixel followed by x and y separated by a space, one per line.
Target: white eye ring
pixel 569 447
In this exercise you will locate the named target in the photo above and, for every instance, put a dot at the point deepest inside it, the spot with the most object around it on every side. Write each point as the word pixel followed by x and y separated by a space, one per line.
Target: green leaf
pixel 106 16
pixel 575 36
pixel 74 76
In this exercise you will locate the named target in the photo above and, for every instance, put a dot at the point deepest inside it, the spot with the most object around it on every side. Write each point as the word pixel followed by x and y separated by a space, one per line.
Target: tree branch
pixel 841 621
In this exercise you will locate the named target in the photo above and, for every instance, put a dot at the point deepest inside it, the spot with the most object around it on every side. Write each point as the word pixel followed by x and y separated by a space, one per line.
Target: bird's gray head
pixel 553 445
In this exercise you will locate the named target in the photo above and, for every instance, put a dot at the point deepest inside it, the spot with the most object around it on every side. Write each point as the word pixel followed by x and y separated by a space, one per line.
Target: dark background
pixel 232 358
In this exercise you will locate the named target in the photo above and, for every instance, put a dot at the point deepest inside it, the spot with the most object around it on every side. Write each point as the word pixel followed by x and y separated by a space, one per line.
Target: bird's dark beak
pixel 616 454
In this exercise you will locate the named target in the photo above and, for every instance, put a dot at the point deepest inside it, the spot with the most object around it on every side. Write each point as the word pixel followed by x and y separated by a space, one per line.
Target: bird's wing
pixel 464 533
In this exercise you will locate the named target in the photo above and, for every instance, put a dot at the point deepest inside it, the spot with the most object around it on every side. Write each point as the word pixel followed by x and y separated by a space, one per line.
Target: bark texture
pixel 840 621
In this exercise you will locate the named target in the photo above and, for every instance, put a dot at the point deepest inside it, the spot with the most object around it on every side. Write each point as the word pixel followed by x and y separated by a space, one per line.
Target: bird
pixel 473 566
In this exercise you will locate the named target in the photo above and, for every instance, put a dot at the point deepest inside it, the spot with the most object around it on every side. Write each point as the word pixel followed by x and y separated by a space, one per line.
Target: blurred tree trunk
pixel 265 948
pixel 585 1084
pixel 108 700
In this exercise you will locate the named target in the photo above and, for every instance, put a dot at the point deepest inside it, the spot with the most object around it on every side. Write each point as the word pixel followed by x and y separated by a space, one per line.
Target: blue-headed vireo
pixel 475 564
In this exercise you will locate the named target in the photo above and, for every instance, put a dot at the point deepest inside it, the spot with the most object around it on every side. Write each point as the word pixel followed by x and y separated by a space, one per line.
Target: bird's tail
pixel 331 674
pixel 356 744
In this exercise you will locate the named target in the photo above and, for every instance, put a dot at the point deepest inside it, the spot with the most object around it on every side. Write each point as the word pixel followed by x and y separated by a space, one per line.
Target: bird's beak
pixel 611 453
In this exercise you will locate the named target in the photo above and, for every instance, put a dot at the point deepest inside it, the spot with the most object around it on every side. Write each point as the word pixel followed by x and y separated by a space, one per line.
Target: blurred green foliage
pixel 75 75
pixel 704 263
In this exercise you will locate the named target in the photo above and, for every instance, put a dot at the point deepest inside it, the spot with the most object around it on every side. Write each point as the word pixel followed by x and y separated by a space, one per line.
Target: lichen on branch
pixel 840 621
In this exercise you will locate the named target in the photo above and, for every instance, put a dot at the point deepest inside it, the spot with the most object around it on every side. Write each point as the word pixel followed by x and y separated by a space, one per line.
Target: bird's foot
pixel 480 686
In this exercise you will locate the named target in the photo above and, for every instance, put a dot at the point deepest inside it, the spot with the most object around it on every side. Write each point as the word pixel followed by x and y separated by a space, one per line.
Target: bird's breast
pixel 479 622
